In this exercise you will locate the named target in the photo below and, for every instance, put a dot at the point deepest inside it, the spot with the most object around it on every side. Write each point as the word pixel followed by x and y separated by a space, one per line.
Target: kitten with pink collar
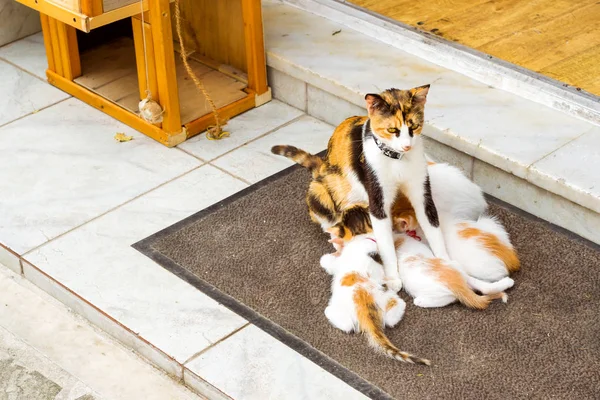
pixel 360 302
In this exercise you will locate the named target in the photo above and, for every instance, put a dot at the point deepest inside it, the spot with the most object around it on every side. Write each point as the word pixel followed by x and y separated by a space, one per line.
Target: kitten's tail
pixel 307 160
pixel 458 285
pixel 371 323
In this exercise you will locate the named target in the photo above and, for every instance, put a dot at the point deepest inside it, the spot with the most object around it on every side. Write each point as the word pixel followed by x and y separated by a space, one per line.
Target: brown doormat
pixel 258 254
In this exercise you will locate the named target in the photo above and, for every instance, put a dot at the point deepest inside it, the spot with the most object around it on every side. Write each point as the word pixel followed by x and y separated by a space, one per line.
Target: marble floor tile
pixel 572 171
pixel 62 167
pixel 101 320
pixel 497 127
pixel 17 21
pixel 28 53
pixel 97 262
pixel 78 349
pixel 261 367
pixel 243 128
pixel 254 161
pixel 22 93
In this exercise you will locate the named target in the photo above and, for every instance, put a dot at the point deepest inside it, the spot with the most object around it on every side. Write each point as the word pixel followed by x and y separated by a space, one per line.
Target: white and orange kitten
pixel 359 300
pixel 482 248
pixel 433 282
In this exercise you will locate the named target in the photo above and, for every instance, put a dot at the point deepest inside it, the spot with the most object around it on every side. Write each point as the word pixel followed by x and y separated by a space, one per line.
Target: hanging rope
pixel 213 132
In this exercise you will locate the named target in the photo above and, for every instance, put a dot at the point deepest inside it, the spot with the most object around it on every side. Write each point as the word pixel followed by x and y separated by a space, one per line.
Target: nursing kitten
pixel 482 248
pixel 359 302
pixel 372 160
pixel 433 282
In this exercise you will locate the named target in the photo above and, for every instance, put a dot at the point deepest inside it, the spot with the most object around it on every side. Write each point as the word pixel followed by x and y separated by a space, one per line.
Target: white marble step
pixel 523 152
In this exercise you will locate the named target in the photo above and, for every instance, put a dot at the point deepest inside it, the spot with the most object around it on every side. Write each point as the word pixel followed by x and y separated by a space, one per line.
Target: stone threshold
pixel 522 152
pixel 454 56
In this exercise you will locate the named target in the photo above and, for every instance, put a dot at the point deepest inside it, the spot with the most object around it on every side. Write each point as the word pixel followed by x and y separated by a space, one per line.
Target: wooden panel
pixel 123 91
pixel 55 45
pixel 62 13
pixel 581 70
pixel 91 8
pixel 164 55
pixel 554 37
pixel 143 58
pixel 227 112
pixel 544 44
pixel 253 32
pixel 72 5
pixel 110 5
pixel 47 41
pixel 107 63
pixel 215 29
pixel 114 110
pixel 222 89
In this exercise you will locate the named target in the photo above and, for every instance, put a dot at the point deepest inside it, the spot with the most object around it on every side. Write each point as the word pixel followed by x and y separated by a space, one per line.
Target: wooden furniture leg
pixel 61 47
pixel 255 47
pixel 141 58
pixel 164 56
pixel 48 42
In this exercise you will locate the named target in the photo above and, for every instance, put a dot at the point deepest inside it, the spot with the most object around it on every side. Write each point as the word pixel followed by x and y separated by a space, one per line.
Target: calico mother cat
pixel 374 160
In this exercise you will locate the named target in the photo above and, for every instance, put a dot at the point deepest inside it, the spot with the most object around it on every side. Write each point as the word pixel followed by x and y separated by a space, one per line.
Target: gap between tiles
pixel 109 211
pixel 245 143
pixel 194 356
pixel 24 70
pixel 230 174
pixel 556 150
pixel 80 306
pixel 34 112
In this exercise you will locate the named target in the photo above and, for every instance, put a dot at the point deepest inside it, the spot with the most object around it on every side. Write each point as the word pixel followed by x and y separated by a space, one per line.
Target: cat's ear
pixel 375 103
pixel 419 95
pixel 400 224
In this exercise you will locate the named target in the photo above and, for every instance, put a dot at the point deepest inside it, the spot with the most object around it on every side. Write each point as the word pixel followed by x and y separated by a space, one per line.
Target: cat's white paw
pixel 506 283
pixel 328 263
pixel 394 284
pixel 395 314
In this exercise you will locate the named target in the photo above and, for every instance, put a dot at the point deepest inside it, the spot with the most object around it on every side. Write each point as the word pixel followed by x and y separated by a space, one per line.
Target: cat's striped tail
pixel 307 160
pixel 371 324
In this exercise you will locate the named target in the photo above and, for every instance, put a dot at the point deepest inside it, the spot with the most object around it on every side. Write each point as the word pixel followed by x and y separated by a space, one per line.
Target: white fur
pixel 474 258
pixel 421 282
pixel 454 194
pixel 341 311
pixel 407 174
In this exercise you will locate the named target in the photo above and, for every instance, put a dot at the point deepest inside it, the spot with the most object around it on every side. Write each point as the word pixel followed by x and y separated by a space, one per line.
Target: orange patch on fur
pixel 405 221
pixel 391 304
pixel 398 242
pixel 352 279
pixel 430 163
pixel 368 314
pixel 507 254
pixel 457 284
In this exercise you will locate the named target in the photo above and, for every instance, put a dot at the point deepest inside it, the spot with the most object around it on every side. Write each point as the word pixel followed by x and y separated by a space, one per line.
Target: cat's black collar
pixel 385 149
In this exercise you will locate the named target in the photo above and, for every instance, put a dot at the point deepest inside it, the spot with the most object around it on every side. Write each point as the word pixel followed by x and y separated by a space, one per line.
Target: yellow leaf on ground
pixel 121 137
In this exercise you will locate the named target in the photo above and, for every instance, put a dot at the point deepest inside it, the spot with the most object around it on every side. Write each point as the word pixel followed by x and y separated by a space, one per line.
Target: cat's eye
pixel 392 130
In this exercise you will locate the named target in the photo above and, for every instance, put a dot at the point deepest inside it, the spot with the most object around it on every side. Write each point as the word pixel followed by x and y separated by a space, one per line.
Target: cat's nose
pixel 406 148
